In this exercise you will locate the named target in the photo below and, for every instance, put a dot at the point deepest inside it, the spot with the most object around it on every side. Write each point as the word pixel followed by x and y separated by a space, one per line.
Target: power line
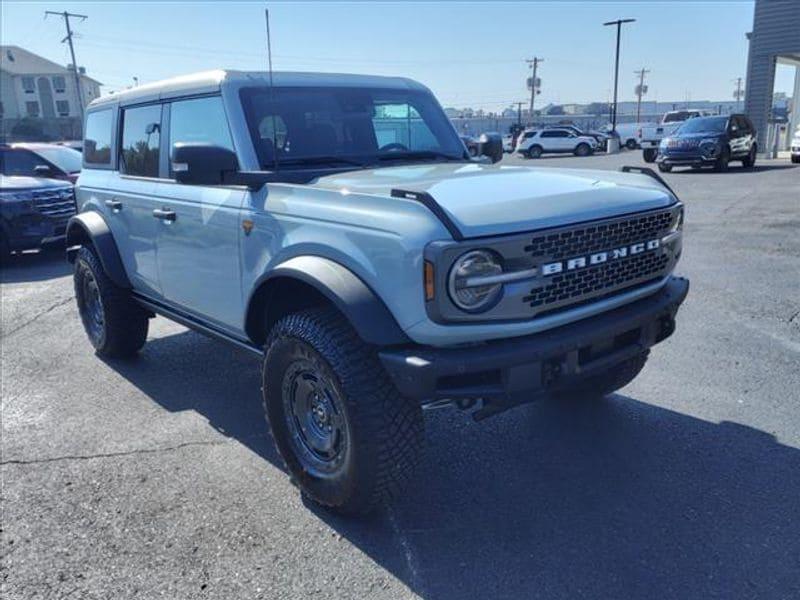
pixel 66 15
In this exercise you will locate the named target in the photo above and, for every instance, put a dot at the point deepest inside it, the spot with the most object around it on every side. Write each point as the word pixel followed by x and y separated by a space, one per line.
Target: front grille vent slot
pixel 55 203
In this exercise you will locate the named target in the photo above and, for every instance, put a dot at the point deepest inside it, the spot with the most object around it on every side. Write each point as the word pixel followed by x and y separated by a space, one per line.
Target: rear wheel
pixel 115 325
pixel 796 159
pixel 582 149
pixel 649 155
pixel 348 438
pixel 535 152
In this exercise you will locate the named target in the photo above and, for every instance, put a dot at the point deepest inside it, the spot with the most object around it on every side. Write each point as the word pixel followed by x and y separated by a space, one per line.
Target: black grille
pixel 575 286
pixel 59 202
pixel 604 236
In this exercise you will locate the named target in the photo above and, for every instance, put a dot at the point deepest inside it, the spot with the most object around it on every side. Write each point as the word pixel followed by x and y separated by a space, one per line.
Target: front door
pixel 199 226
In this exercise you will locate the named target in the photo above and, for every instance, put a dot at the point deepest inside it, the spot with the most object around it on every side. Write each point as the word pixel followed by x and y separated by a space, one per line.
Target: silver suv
pixel 335 226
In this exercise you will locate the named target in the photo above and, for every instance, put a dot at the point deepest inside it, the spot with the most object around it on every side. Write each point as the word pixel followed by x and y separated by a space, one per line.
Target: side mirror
pixel 491 146
pixel 203 164
pixel 42 171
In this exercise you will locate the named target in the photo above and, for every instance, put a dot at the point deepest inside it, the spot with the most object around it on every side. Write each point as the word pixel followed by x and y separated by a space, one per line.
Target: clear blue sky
pixel 470 54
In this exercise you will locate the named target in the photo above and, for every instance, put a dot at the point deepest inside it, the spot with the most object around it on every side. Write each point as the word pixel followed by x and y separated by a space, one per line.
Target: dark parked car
pixel 40 160
pixel 709 141
pixel 470 143
pixel 33 212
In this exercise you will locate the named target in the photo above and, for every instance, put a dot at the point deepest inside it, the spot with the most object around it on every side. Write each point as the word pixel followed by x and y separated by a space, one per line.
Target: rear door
pixel 130 199
pixel 198 242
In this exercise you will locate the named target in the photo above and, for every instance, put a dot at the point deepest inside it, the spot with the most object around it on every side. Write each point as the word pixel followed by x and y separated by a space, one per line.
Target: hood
pixel 19 182
pixel 493 200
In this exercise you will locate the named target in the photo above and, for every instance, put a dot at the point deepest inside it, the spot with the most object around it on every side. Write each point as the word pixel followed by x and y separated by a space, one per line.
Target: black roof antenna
pixel 272 96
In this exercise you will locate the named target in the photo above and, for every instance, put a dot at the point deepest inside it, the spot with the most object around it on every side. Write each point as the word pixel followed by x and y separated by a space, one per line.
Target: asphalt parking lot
pixel 156 478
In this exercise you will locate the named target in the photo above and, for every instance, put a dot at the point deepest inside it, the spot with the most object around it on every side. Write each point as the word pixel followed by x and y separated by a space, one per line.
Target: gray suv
pixel 336 227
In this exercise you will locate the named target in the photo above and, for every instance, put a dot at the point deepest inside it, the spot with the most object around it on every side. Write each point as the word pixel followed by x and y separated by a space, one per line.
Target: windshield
pixel 676 117
pixel 66 159
pixel 704 125
pixel 313 126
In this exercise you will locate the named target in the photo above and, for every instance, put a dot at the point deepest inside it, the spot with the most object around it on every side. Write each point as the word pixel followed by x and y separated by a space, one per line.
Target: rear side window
pixel 141 137
pixel 201 121
pixel 97 140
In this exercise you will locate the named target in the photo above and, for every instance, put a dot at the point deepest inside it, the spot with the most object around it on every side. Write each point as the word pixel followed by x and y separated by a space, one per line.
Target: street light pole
pixel 618 23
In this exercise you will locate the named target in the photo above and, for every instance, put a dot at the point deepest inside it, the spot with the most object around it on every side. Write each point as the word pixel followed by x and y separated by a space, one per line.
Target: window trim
pixel 112 163
pixel 118 145
pixel 58 111
pixel 56 88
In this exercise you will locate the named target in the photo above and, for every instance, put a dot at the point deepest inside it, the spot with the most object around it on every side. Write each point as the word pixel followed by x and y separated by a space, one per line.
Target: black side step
pixel 433 206
pixel 192 323
pixel 650 173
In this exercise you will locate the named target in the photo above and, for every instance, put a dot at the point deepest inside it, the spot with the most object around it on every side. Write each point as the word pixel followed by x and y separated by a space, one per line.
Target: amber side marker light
pixel 429 286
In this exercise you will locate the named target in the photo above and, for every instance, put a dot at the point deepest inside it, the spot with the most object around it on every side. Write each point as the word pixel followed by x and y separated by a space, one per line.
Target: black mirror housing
pixel 203 164
pixel 491 145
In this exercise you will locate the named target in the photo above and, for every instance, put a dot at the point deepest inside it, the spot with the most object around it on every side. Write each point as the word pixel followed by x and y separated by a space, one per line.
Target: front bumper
pixel 517 370
pixel 685 159
pixel 30 231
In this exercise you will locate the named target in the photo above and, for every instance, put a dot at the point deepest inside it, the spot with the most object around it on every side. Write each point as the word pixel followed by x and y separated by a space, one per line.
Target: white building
pixel 38 95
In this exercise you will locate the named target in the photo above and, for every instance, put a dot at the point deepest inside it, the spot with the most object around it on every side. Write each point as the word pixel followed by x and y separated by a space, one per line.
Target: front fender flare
pixel 91 228
pixel 365 311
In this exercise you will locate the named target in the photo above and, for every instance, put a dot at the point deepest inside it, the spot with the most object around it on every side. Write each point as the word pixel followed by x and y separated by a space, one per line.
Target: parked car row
pixel 36 194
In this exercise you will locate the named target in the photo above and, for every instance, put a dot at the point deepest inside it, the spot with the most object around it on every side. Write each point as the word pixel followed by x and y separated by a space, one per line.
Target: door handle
pixel 164 214
pixel 114 205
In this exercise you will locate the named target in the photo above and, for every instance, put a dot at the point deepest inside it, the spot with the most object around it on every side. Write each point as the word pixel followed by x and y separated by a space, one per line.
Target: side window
pixel 141 137
pixel 401 124
pixel 19 162
pixel 201 120
pixel 97 139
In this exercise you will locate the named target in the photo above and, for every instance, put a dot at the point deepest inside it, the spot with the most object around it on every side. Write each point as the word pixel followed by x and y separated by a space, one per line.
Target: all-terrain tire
pixel 609 382
pixel 384 430
pixel 121 330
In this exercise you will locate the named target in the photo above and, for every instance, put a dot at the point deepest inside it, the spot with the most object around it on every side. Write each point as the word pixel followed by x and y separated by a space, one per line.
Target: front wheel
pixel 750 160
pixel 649 155
pixel 664 167
pixel 535 152
pixel 631 144
pixel 721 165
pixel 582 150
pixel 115 325
pixel 348 438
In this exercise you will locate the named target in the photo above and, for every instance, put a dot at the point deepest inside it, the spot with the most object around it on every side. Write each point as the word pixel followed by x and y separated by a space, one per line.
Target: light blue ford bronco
pixel 336 227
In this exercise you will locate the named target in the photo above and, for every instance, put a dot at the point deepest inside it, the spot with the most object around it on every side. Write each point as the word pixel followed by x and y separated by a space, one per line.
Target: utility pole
pixel 519 114
pixel 641 90
pixel 618 23
pixel 533 63
pixel 66 15
pixel 739 92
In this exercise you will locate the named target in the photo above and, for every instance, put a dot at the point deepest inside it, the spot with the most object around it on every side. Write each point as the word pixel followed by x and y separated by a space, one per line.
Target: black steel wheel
pixel 115 325
pixel 349 440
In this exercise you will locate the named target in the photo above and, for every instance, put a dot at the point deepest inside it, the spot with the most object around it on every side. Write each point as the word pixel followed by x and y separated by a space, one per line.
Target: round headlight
pixel 467 290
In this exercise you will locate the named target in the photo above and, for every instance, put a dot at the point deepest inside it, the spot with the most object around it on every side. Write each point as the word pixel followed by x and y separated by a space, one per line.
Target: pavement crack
pixel 35 461
pixel 795 318
pixel 37 316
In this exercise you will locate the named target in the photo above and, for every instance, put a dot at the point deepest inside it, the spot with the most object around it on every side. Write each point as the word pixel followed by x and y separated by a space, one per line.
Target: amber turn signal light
pixel 429 286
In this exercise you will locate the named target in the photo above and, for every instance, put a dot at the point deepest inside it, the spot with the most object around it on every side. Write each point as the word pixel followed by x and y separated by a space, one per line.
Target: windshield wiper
pixel 321 160
pixel 419 154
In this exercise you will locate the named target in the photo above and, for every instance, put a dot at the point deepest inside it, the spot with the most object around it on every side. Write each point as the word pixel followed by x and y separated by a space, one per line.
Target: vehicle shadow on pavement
pixel 614 498
pixel 50 263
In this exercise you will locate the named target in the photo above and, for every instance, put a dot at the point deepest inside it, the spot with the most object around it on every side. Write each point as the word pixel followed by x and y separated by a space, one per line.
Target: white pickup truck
pixel 650 135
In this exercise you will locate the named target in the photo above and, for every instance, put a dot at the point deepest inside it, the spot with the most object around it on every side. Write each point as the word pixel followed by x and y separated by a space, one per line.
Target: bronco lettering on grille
pixel 597 258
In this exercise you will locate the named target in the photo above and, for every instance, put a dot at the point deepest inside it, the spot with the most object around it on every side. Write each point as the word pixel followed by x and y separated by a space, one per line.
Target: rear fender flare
pixel 91 228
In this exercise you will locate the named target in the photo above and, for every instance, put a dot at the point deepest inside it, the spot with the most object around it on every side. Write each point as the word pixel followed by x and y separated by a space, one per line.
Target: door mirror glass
pixel 203 164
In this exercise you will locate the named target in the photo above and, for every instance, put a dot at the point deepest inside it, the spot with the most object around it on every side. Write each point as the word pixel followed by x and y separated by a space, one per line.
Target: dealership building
pixel 775 40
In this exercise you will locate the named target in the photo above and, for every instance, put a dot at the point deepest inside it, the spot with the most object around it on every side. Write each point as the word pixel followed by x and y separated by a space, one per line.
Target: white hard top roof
pixel 211 81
